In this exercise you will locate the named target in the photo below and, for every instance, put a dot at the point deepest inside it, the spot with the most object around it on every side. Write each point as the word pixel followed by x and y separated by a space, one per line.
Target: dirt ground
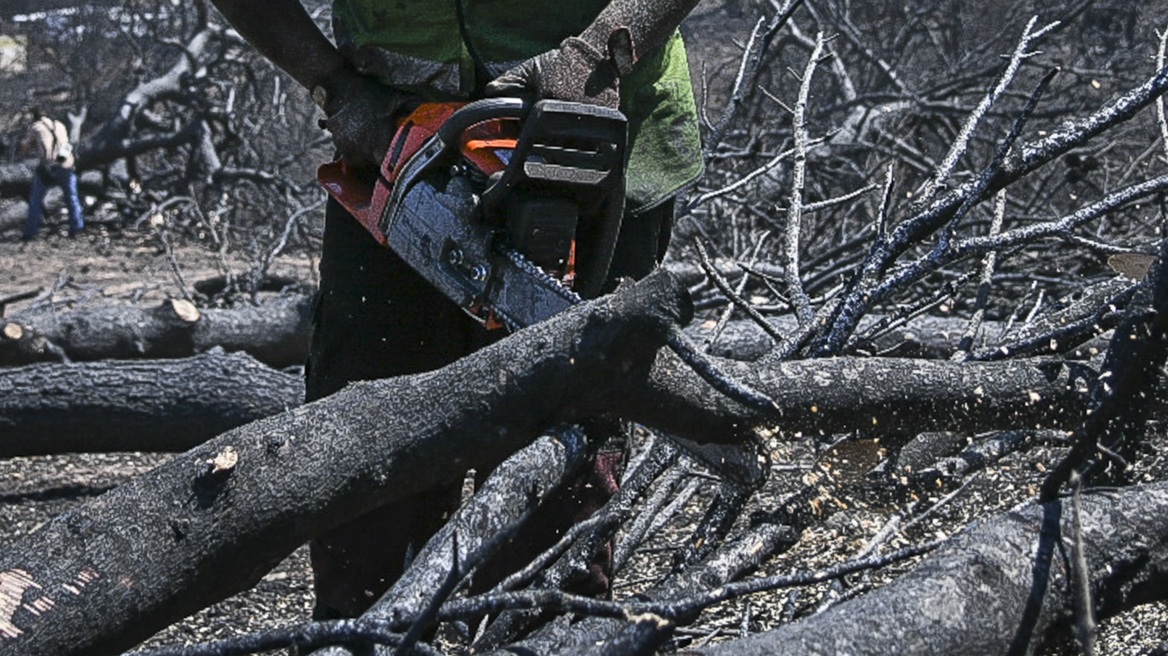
pixel 124 266
pixel 98 267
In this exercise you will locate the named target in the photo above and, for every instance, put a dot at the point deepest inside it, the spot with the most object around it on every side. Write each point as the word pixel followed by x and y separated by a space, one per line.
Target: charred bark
pixel 275 333
pixel 210 523
pixel 999 587
pixel 1073 332
pixel 502 504
pixel 874 395
pixel 114 571
pixel 173 405
pixel 146 405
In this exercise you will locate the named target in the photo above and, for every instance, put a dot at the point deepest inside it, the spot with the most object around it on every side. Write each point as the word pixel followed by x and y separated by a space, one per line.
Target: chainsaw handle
pixel 479 111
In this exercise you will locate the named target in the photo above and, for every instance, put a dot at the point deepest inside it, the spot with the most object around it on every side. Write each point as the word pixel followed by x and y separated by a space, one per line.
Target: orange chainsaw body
pixel 509 179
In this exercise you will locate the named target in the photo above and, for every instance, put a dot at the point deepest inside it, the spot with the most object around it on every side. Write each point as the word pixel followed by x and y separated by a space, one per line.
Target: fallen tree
pixel 275 333
pixel 1009 584
pixel 137 405
pixel 174 405
pixel 1004 586
pixel 1074 332
pixel 273 484
pixel 154 550
pixel 967 216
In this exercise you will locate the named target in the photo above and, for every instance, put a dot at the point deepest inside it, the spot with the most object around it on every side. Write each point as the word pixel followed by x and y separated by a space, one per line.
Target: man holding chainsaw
pixel 376 317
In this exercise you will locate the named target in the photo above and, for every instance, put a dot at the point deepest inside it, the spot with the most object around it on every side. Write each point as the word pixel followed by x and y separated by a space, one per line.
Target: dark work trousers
pixel 377 318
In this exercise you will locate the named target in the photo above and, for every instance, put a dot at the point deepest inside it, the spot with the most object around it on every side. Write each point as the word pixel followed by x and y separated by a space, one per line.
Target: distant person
pixel 48 139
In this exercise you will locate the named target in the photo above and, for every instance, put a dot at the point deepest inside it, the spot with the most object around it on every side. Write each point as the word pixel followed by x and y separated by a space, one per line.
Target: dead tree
pixel 174 107
pixel 999 587
pixel 275 333
pixel 175 405
pixel 970 219
pixel 191 514
pixel 277 482
pixel 137 405
pixel 122 135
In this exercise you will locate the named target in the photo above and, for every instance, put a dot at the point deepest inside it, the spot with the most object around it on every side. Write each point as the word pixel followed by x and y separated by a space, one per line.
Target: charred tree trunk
pixel 998 588
pixel 174 405
pixel 874 395
pixel 500 506
pixel 938 337
pixel 210 523
pixel 169 543
pixel 275 333
pixel 147 405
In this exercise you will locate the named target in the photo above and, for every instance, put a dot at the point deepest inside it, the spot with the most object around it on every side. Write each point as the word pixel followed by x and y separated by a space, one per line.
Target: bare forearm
pixel 282 31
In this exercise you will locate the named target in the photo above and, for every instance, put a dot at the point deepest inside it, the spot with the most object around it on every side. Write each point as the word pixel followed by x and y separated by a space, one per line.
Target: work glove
pixel 576 71
pixel 361 114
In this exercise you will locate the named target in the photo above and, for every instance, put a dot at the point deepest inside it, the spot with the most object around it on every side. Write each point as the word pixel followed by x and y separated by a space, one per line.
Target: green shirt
pixel 417 45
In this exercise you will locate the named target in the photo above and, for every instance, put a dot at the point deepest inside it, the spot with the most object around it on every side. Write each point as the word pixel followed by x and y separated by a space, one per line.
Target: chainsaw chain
pixel 540 278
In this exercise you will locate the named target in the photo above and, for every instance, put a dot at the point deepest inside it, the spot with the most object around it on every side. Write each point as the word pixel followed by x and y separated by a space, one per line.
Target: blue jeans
pixel 66 179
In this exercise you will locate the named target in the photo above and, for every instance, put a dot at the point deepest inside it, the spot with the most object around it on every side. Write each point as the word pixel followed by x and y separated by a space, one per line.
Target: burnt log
pixel 925 337
pixel 142 405
pixel 103 577
pixel 174 405
pixel 211 522
pixel 275 333
pixel 503 503
pixel 879 396
pixel 1002 586
pixel 1072 332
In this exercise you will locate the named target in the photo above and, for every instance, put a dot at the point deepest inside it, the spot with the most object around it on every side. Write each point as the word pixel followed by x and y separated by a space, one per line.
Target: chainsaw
pixel 512 209
pixel 509 208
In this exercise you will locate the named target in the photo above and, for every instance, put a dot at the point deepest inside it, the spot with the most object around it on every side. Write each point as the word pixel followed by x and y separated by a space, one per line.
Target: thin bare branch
pixel 792 227
pixel 961 143
pixel 1161 113
pixel 989 262
pixel 729 311
pixel 829 203
pixel 748 70
pixel 1085 625
pixel 724 286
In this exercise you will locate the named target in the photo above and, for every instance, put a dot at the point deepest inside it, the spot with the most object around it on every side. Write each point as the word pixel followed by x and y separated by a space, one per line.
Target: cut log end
pixel 184 310
pixel 12 331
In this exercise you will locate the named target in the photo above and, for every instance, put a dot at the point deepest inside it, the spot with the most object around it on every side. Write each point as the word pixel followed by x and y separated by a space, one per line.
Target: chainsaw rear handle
pixel 573 153
pixel 577 148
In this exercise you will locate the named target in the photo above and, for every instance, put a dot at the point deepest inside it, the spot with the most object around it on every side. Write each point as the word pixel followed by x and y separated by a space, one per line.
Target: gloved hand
pixel 361 116
pixel 576 71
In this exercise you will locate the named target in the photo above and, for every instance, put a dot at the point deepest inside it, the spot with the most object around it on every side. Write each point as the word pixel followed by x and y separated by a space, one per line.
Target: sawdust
pixel 99 268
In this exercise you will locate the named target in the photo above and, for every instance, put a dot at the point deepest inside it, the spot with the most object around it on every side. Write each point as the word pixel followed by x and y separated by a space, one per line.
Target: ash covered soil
pixel 100 268
pixel 97 267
